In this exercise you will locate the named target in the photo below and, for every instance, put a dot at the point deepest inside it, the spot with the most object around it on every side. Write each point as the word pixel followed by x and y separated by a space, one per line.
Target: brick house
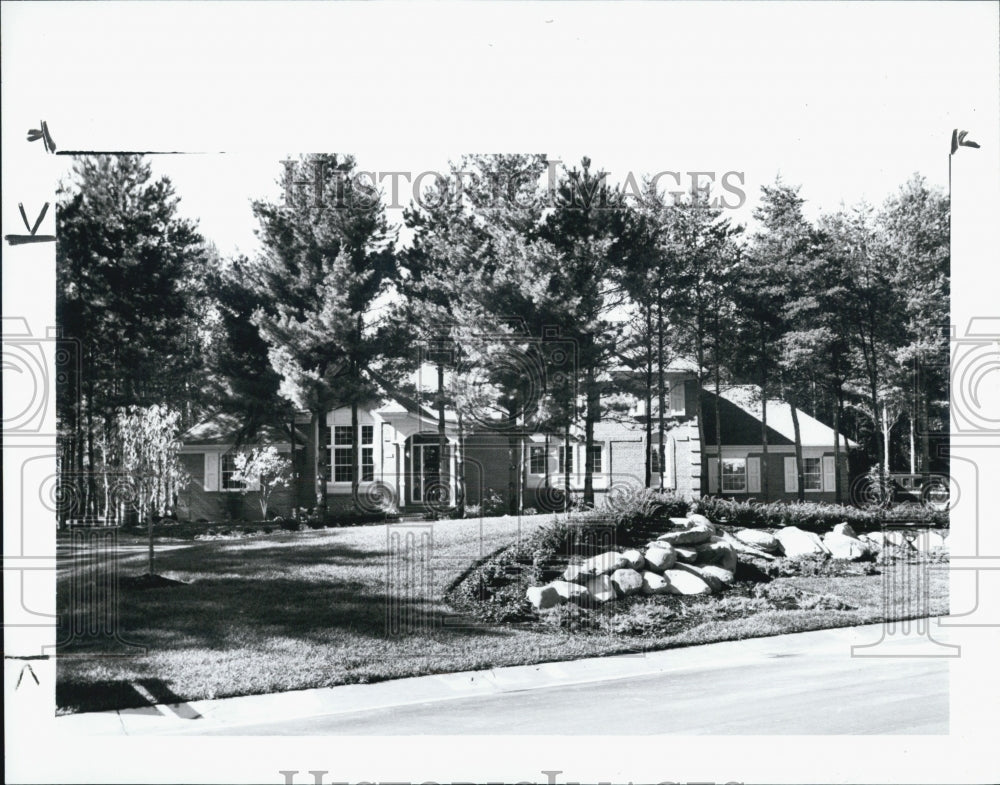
pixel 401 460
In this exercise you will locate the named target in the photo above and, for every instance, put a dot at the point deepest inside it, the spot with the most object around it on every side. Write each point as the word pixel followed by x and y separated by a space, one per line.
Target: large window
pixel 342 453
pixel 597 458
pixel 812 474
pixel 536 459
pixel 228 469
pixel 367 453
pixel 654 459
pixel 566 459
pixel 734 475
pixel 341 463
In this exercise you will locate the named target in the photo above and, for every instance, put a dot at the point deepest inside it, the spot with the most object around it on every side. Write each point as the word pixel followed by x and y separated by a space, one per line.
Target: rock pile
pixel 694 557
pixel 689 558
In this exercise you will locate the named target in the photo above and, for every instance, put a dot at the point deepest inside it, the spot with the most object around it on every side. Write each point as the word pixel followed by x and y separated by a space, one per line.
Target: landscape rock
pixel 626 581
pixel 843 547
pixel 718 552
pixel 660 557
pixel 571 592
pixel 605 563
pixel 875 538
pixel 698 518
pixel 635 559
pixel 742 547
pixel 654 583
pixel 845 529
pixel 601 589
pixel 695 535
pixel 712 581
pixel 577 573
pixel 898 539
pixel 761 540
pixel 686 582
pixel 796 542
pixel 929 540
pixel 542 597
pixel 724 575
pixel 686 555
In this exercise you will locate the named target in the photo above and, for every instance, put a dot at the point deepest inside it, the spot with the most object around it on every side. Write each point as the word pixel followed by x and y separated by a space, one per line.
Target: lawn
pixel 288 611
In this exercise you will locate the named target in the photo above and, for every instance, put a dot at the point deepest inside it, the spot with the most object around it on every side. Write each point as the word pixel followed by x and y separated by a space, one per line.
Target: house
pixel 402 461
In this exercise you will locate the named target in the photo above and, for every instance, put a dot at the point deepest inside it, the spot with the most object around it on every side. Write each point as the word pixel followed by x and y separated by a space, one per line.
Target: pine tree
pixel 327 258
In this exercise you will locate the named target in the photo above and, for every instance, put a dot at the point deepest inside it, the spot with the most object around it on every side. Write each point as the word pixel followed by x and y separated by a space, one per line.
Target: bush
pixel 290 525
pixel 493 503
pixel 812 515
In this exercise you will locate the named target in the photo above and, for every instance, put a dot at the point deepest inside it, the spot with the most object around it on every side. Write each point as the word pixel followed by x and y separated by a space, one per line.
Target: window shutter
pixel 713 474
pixel 829 474
pixel 669 476
pixel 211 471
pixel 677 397
pixel 753 475
pixel 791 475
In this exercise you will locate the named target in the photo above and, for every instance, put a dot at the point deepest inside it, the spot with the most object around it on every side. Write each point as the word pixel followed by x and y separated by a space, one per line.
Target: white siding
pixel 791 475
pixel 753 475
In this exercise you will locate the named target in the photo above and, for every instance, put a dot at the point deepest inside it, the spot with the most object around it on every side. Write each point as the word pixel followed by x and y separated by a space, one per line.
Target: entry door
pixel 426 466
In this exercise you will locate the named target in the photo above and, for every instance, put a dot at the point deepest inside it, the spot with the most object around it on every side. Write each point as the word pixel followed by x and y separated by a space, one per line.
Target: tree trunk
pixel 442 432
pixel 913 446
pixel 566 472
pixel 649 398
pixel 355 456
pixel 593 404
pixel 765 482
pixel 661 388
pixel 798 447
pixel 836 446
pixel 460 466
pixel 718 423
pixel 296 480
pixel 319 480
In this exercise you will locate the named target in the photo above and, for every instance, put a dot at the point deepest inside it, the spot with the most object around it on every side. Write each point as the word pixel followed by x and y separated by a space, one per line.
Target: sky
pixel 846 100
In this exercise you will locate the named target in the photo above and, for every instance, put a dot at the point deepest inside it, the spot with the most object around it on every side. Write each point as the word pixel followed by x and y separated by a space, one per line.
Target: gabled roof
pixel 224 428
pixel 741 411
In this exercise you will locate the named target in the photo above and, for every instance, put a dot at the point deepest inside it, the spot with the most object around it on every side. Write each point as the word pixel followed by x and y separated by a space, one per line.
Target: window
pixel 654 459
pixel 228 469
pixel 596 460
pixel 342 453
pixel 536 459
pixel 734 475
pixel 812 474
pixel 566 460
pixel 341 463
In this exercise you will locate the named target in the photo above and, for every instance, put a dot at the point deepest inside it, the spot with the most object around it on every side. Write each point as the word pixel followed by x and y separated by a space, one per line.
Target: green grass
pixel 292 611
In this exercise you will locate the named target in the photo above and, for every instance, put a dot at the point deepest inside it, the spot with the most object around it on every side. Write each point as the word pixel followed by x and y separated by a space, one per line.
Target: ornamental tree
pixel 264 470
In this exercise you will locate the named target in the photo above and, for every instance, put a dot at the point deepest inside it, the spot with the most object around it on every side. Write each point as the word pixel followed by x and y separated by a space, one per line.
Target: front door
pixel 425 485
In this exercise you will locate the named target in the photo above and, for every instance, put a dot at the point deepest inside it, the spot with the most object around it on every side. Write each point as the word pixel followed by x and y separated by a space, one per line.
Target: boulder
pixel 898 539
pixel 654 583
pixel 695 535
pixel 687 555
pixel 635 559
pixel 929 540
pixel 742 547
pixel 542 597
pixel 601 589
pixel 845 529
pixel 699 519
pixel 685 582
pixel 717 552
pixel 712 581
pixel 626 581
pixel 796 542
pixel 571 592
pixel 875 538
pixel 605 563
pixel 660 557
pixel 843 547
pixel 723 575
pixel 761 540
pixel 577 573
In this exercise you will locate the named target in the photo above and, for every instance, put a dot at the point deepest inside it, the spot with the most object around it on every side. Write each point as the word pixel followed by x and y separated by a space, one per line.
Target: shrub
pixel 493 503
pixel 290 525
pixel 473 510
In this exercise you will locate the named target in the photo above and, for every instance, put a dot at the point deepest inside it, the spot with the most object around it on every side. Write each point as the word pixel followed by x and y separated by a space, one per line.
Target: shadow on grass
pixel 140 696
pixel 232 597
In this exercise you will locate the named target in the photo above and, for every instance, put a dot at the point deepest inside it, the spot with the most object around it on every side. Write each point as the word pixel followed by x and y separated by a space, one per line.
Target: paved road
pixel 803 684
